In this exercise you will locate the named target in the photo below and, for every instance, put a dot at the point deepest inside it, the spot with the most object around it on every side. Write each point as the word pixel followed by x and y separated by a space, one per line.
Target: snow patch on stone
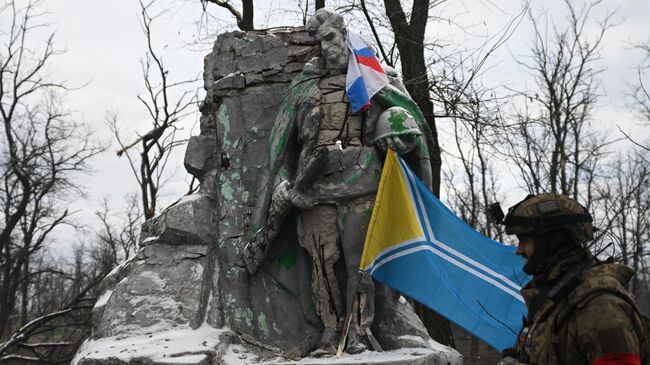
pixel 103 299
pixel 416 339
pixel 153 276
pixel 157 346
pixel 439 347
pixel 191 197
pixel 149 239
pixel 404 355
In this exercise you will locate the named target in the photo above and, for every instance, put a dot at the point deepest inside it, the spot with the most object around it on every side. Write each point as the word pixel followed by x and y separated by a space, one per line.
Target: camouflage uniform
pixel 590 321
pixel 578 309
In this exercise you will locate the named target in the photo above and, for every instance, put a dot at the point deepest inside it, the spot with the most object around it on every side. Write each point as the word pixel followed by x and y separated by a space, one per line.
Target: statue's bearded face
pixel 333 48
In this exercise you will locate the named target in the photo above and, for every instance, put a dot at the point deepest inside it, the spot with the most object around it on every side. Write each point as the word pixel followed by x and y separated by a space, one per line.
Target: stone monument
pixel 199 292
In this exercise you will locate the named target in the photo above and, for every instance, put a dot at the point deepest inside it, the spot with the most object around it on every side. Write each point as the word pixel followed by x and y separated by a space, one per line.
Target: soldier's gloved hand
pixel 301 200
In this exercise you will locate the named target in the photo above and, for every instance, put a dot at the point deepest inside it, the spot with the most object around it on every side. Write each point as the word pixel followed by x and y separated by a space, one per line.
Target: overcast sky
pixel 104 44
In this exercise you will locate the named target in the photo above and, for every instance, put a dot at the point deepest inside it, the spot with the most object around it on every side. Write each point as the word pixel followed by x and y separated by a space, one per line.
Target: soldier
pixel 325 161
pixel 578 309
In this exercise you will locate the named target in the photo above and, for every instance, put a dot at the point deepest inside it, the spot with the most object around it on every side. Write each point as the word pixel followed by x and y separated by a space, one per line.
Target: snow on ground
pixel 239 355
pixel 187 346
pixel 158 346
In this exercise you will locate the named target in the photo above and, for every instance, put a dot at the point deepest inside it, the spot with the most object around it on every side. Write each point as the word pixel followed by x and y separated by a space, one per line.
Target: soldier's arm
pixel 605 331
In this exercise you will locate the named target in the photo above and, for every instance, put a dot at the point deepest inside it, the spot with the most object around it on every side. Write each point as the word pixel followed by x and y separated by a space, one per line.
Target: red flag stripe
pixel 371 62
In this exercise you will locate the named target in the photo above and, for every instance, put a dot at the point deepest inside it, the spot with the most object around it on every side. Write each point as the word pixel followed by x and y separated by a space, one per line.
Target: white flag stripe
pixel 469 260
pixel 393 248
pixel 454 262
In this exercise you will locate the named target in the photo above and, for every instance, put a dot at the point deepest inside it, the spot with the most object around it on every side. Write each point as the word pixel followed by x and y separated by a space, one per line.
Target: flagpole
pixel 348 318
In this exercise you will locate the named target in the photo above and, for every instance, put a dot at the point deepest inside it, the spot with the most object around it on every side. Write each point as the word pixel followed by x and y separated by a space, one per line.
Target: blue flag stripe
pixel 431 237
pixel 468 313
pixel 427 246
pixel 365 52
pixel 358 94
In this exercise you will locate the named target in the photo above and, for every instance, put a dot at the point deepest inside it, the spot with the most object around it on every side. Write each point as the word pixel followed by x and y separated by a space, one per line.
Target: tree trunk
pixel 247 15
pixel 410 42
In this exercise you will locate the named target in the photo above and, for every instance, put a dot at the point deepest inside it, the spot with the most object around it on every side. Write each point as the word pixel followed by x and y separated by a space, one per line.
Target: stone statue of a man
pixel 325 163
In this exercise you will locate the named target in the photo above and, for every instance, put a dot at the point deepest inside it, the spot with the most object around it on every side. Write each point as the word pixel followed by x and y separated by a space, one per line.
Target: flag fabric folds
pixel 365 75
pixel 418 247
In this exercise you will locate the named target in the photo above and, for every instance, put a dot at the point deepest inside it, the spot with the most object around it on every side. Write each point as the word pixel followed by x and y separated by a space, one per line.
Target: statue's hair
pixel 324 16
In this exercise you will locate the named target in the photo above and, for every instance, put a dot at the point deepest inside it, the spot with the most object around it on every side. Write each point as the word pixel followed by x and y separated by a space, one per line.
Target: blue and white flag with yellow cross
pixel 418 247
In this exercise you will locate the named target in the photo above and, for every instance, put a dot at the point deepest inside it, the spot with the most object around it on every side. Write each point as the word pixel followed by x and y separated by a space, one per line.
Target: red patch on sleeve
pixel 623 358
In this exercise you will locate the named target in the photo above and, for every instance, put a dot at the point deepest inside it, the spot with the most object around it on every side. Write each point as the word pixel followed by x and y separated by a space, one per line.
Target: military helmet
pixel 396 121
pixel 542 213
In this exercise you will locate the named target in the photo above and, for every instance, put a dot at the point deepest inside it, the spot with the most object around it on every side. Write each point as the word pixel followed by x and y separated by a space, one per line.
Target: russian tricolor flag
pixel 365 75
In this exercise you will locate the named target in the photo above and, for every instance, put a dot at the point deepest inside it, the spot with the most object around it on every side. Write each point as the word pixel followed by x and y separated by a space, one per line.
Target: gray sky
pixel 104 44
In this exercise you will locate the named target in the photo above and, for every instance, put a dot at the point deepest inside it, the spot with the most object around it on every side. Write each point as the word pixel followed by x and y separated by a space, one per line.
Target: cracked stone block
pixel 189 222
pixel 199 154
pixel 231 81
pixel 161 291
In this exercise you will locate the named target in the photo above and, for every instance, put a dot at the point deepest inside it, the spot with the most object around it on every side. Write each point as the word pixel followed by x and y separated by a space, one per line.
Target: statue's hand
pixel 301 200
pixel 401 144
pixel 280 199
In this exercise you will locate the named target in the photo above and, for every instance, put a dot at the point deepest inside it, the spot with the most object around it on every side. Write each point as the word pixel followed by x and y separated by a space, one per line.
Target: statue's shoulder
pixel 391 72
pixel 314 67
pixel 394 77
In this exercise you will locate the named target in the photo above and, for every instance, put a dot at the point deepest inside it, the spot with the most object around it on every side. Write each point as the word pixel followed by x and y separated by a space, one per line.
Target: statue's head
pixel 328 28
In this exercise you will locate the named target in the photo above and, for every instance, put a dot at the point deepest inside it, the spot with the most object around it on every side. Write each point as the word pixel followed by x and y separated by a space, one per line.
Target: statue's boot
pixel 395 323
pixel 356 343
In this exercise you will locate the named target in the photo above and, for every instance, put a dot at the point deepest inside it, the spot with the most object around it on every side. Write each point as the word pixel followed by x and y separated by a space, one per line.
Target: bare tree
pixel 551 143
pixel 640 95
pixel 118 237
pixel 244 18
pixel 623 206
pixel 149 153
pixel 63 294
pixel 53 334
pixel 41 150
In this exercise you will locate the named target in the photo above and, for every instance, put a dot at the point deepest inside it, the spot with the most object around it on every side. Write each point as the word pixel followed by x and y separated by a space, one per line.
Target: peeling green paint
pixel 353 179
pixel 245 314
pixel 229 299
pixel 301 89
pixel 226 190
pixel 233 272
pixel 244 196
pixel 368 159
pixel 276 329
pixel 263 326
